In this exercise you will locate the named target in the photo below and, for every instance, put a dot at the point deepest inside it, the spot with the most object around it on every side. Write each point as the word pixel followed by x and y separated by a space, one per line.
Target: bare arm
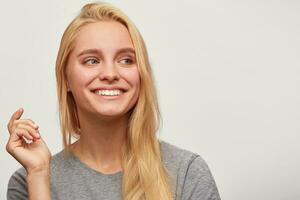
pixel 39 184
pixel 35 156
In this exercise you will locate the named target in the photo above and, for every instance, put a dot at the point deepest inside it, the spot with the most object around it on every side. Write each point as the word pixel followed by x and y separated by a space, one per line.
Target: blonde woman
pixel 107 100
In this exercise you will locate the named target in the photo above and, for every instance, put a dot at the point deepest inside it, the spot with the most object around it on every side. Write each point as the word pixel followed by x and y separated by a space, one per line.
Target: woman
pixel 107 100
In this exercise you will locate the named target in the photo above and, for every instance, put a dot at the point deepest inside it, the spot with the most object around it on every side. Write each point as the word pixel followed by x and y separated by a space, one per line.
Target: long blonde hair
pixel 144 174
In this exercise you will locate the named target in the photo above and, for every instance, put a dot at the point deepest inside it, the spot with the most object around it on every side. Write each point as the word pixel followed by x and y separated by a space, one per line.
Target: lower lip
pixel 109 97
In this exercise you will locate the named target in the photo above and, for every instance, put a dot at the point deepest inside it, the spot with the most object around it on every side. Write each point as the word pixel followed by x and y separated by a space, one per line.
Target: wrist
pixel 40 170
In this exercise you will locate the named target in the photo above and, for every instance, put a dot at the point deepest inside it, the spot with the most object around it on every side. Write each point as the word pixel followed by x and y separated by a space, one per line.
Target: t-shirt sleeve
pixel 17 186
pixel 199 183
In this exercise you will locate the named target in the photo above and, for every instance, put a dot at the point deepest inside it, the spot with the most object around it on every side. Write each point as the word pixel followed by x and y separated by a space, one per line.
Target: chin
pixel 110 113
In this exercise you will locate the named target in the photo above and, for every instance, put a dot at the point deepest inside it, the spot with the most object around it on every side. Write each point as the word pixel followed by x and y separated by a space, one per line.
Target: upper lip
pixel 110 88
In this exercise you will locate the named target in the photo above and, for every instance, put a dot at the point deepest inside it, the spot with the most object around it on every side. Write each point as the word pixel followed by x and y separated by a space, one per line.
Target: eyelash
pixel 131 61
pixel 85 62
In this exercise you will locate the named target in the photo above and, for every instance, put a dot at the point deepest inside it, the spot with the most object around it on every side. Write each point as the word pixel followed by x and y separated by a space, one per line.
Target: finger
pixel 23 133
pixel 15 116
pixel 32 131
pixel 15 138
pixel 28 122
pixel 15 124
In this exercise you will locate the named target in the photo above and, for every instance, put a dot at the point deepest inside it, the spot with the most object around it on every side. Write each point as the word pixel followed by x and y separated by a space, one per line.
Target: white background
pixel 227 73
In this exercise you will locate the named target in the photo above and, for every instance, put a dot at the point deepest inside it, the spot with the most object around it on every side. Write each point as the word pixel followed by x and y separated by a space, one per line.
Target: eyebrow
pixel 100 52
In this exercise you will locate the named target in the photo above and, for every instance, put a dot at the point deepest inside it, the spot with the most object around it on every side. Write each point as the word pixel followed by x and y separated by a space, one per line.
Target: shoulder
pixel 60 160
pixel 17 184
pixel 177 158
pixel 190 173
pixel 17 188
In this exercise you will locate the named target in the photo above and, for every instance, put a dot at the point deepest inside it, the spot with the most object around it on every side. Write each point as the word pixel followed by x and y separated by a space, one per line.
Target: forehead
pixel 104 35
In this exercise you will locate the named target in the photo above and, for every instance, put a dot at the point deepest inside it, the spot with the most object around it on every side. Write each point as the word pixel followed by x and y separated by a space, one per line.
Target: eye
pixel 91 61
pixel 126 61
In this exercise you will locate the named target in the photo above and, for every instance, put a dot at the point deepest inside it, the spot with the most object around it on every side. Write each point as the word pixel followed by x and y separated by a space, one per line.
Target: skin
pixel 103 121
pixel 35 157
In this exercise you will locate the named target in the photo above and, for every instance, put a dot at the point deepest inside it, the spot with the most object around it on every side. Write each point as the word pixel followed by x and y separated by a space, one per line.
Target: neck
pixel 101 142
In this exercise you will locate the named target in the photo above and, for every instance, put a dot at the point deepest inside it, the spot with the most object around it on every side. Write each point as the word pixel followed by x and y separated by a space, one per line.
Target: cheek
pixel 136 79
pixel 78 77
pixel 132 76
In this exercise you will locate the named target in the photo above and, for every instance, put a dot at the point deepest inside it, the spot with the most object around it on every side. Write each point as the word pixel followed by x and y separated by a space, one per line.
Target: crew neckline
pixel 88 168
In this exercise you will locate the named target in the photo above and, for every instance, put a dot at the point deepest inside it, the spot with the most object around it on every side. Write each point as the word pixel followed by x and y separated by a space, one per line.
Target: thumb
pixel 17 115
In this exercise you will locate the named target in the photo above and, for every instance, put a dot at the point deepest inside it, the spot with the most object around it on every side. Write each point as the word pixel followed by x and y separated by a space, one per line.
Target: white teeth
pixel 108 92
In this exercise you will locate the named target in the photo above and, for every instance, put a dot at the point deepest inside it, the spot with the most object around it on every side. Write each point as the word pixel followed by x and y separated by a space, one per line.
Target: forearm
pixel 38 184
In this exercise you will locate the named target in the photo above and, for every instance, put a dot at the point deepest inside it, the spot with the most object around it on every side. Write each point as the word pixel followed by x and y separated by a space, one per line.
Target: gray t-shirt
pixel 74 180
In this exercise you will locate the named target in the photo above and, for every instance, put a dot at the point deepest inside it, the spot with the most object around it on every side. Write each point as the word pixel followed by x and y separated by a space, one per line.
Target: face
pixel 102 72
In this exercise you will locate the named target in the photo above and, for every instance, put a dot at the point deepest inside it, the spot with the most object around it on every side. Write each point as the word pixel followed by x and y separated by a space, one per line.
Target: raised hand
pixel 34 155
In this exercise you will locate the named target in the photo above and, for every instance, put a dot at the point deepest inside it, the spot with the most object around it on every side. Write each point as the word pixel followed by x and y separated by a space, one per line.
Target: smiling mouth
pixel 109 92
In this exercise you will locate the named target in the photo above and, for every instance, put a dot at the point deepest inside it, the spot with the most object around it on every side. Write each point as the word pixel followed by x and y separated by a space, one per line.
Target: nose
pixel 109 72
